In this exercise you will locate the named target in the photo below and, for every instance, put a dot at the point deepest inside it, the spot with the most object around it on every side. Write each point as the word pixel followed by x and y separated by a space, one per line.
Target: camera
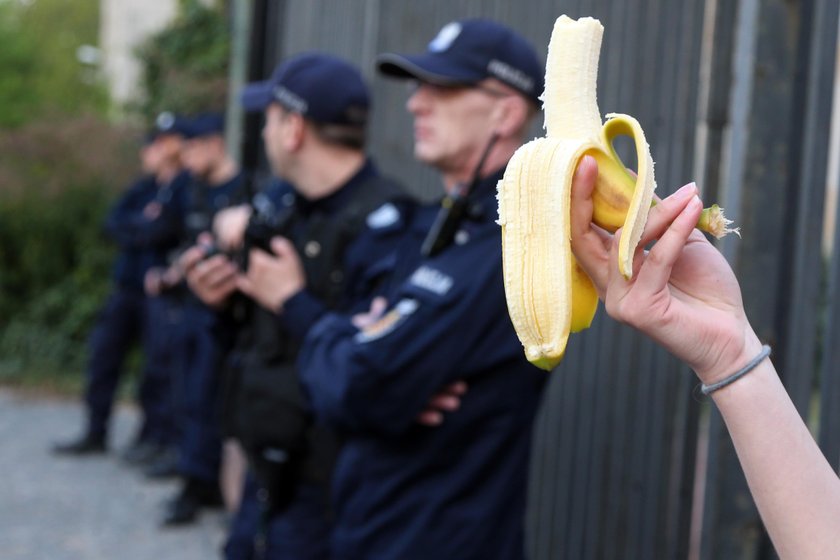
pixel 266 222
pixel 264 225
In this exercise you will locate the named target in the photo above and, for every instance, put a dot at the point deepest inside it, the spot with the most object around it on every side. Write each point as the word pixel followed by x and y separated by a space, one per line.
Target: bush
pixel 54 260
pixel 61 166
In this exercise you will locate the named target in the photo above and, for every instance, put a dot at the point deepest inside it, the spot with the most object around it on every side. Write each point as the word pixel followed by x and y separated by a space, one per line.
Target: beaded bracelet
pixel 707 389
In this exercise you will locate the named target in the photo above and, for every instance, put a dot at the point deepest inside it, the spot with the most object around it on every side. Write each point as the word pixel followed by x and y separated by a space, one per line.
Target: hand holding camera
pixel 210 275
pixel 272 278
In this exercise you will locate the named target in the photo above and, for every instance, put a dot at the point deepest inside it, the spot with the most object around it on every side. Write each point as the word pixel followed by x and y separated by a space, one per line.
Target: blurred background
pixel 81 82
pixel 741 96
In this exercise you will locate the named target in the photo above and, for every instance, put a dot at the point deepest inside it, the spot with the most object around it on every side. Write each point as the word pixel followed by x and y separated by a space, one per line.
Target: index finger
pixel 192 257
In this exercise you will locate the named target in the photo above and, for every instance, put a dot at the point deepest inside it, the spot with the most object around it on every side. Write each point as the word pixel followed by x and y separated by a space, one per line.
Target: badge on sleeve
pixel 384 216
pixel 433 280
pixel 388 323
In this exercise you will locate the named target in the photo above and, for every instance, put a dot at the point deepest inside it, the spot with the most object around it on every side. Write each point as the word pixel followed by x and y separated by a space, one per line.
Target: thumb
pixel 282 247
pixel 378 306
pixel 204 238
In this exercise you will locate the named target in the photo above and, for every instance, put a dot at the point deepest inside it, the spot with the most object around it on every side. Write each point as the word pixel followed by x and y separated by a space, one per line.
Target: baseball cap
pixel 467 51
pixel 205 124
pixel 321 87
pixel 165 123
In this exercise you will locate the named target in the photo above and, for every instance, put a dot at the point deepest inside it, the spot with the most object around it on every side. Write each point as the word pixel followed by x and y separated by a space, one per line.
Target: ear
pixel 295 132
pixel 511 115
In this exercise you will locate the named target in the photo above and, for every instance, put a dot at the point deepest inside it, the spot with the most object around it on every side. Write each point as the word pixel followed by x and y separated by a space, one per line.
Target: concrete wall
pixel 123 25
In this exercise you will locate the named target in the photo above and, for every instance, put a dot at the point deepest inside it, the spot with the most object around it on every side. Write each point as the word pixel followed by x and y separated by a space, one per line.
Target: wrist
pixel 278 306
pixel 733 356
pixel 732 378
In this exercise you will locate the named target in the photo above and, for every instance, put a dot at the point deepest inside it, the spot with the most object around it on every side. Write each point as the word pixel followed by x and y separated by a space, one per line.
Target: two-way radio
pixel 452 209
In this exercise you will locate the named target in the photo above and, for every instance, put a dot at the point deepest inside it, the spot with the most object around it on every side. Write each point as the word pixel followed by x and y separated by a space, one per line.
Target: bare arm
pixel 684 295
pixel 795 489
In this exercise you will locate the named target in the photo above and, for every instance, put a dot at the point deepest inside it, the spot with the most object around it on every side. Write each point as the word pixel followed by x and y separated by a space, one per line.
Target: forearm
pixel 300 313
pixel 367 387
pixel 795 489
pixel 139 233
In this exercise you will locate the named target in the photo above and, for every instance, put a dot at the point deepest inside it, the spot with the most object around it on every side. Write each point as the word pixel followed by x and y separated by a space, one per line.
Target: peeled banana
pixel 548 294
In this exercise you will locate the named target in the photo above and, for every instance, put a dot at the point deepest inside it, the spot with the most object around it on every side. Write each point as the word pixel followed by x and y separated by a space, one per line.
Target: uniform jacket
pixel 269 410
pixel 144 241
pixel 406 491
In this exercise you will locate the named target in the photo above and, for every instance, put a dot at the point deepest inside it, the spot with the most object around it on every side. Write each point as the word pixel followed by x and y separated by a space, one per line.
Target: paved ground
pixel 83 509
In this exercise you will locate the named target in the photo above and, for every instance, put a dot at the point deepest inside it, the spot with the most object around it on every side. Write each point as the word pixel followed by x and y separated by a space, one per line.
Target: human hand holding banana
pixel 683 293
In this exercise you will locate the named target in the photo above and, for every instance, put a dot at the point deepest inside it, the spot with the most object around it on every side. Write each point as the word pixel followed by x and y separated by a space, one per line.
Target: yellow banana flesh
pixel 548 294
pixel 530 304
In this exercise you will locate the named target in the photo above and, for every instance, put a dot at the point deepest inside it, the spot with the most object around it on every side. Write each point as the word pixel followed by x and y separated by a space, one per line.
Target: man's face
pixel 201 154
pixel 164 150
pixel 451 124
pixel 274 136
pixel 170 146
pixel 150 158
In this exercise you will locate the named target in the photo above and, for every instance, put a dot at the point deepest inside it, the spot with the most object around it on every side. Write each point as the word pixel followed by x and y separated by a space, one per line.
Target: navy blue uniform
pixel 201 346
pixel 402 490
pixel 301 530
pixel 143 242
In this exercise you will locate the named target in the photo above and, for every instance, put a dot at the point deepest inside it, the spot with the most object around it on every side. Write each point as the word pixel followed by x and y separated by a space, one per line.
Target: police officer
pixel 157 431
pixel 455 490
pixel 142 224
pixel 345 219
pixel 216 183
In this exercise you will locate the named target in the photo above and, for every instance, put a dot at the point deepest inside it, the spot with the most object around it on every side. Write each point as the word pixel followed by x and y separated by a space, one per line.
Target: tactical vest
pixel 270 416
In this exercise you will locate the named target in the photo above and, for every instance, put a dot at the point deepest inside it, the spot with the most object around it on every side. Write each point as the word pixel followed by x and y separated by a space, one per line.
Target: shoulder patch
pixel 384 216
pixel 388 323
pixel 432 280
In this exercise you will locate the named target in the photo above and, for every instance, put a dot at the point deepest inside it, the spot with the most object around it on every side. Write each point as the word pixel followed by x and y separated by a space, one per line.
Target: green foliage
pixel 55 188
pixel 18 51
pixel 61 165
pixel 54 276
pixel 186 64
pixel 41 76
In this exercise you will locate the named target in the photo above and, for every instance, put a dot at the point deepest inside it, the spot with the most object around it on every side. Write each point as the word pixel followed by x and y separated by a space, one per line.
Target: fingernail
pixel 694 202
pixel 685 191
pixel 585 161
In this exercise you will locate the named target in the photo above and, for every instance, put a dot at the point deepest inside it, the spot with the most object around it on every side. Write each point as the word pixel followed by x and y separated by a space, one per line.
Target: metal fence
pixel 628 462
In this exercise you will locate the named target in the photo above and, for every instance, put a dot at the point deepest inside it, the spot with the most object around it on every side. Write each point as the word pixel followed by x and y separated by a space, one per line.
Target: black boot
pixel 164 465
pixel 141 453
pixel 90 443
pixel 194 495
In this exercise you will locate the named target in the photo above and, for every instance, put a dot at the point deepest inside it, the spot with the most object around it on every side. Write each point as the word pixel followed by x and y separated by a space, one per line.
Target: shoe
pixel 182 510
pixel 164 465
pixel 88 444
pixel 140 453
pixel 185 507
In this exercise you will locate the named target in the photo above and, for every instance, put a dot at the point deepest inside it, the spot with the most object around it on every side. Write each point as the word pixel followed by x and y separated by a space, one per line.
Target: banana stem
pixel 713 221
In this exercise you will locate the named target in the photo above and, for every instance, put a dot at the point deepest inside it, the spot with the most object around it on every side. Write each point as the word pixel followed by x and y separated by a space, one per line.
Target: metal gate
pixel 628 462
